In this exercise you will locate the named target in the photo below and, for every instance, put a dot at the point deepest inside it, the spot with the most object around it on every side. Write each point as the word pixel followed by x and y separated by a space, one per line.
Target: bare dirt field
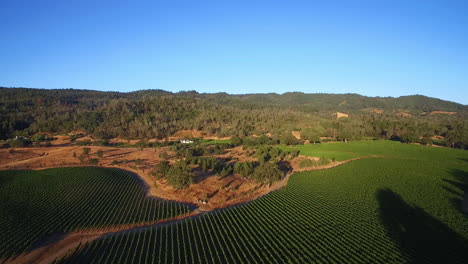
pixel 442 113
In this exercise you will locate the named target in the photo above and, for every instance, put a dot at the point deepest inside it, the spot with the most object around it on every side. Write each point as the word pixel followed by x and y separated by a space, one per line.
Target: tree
pixel 288 139
pixel 180 175
pixel 227 170
pixel 409 136
pixel 263 140
pixel 245 169
pixel 312 134
pixel 99 153
pixel 160 171
pixel 267 173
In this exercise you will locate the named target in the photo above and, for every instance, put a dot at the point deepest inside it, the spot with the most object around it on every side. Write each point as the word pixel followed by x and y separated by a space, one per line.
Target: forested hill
pixel 158 113
pixel 341 102
pixel 298 100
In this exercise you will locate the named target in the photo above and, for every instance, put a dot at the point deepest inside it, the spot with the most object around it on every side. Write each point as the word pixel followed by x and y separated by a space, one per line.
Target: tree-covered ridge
pixel 159 114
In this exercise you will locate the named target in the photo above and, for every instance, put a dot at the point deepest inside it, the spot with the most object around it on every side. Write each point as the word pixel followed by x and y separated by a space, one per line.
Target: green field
pixel 37 205
pixel 214 141
pixel 402 208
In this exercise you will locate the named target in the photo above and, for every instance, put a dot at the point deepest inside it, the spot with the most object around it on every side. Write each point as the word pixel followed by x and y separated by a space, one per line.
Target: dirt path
pixel 65 246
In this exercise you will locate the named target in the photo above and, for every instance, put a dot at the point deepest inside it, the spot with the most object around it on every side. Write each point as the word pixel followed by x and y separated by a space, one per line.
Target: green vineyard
pixel 37 206
pixel 401 208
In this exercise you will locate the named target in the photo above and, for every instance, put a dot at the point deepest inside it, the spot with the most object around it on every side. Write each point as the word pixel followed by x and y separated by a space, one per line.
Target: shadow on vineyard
pixel 420 237
pixel 47 240
pixel 457 186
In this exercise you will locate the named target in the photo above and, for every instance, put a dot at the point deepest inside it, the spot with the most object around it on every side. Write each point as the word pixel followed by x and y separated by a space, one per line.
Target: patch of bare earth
pixel 296 134
pixel 442 113
pixel 403 114
pixel 340 115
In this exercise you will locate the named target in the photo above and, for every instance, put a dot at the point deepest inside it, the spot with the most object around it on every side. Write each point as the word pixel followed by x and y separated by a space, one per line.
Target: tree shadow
pixel 420 237
pixel 213 194
pixel 457 186
pixel 284 166
pixel 201 175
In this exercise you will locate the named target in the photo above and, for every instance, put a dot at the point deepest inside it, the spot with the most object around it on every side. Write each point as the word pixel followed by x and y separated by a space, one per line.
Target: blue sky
pixel 375 48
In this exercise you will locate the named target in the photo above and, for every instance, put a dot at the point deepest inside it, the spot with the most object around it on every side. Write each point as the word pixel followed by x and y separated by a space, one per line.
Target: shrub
pixel 102 143
pixel 83 143
pixel 41 138
pixel 142 144
pixel 19 142
pixel 75 137
pixel 86 151
pixel 306 163
pixel 163 155
pixel 227 170
pixel 323 161
pixel 426 141
pixel 93 161
pixel 294 153
pixel 288 139
pixel 245 169
pixel 236 141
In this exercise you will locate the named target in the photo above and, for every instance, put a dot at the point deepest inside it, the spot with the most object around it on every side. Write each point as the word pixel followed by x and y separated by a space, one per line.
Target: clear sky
pixel 375 47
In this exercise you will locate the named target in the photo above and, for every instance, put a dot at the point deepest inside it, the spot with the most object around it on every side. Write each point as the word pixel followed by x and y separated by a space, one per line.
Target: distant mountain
pixel 296 100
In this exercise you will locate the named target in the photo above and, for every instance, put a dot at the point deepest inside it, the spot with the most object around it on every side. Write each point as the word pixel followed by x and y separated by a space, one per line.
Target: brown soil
pixel 403 114
pixel 181 134
pixel 60 140
pixel 377 110
pixel 339 115
pixel 442 113
pixel 296 134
